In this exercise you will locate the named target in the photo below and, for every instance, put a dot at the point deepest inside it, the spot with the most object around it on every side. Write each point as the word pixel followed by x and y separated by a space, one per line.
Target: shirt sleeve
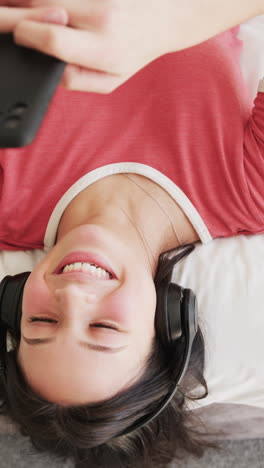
pixel 254 153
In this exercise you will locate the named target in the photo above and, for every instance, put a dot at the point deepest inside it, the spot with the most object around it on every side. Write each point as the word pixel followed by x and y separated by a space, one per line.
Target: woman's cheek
pixel 117 307
pixel 129 308
pixel 35 297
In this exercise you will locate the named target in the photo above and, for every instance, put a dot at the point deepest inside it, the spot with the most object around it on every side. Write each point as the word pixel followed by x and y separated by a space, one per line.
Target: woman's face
pixel 98 328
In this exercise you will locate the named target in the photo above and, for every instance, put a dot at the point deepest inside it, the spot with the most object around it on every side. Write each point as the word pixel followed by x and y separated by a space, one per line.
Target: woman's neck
pixel 124 201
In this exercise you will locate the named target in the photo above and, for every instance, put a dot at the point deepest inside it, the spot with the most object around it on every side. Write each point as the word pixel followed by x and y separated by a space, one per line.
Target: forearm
pixel 206 18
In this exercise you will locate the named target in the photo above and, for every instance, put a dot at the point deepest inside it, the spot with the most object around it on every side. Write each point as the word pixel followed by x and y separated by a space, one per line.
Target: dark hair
pixel 87 433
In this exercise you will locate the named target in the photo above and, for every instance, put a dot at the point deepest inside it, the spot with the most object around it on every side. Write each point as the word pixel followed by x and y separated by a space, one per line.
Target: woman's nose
pixel 72 296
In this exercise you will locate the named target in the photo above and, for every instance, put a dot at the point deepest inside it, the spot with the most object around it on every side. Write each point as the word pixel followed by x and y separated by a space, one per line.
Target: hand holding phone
pixel 28 80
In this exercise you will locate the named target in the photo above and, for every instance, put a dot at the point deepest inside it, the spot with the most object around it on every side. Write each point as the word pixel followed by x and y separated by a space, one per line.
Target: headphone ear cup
pixel 174 311
pixel 168 315
pixel 190 305
pixel 11 295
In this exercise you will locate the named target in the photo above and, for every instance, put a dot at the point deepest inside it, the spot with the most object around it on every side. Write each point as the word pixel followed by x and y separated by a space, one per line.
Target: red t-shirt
pixel 187 116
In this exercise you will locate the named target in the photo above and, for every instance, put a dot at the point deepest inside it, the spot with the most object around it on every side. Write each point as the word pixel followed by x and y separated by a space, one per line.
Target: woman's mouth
pixel 83 262
pixel 86 267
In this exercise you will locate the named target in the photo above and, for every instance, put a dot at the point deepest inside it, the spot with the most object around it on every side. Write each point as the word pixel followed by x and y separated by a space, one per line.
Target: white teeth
pixel 95 271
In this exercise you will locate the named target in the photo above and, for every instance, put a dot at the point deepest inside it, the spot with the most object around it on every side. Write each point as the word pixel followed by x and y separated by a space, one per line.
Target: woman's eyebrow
pixel 84 344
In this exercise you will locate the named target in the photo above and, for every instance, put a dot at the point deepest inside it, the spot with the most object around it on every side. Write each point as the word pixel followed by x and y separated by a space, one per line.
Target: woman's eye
pixel 95 325
pixel 104 325
pixel 42 319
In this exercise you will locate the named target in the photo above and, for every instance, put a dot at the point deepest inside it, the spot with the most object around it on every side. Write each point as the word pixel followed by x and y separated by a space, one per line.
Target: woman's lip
pixel 82 257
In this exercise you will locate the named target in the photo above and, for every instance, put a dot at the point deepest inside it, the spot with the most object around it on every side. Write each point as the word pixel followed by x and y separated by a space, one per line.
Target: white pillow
pixel 227 275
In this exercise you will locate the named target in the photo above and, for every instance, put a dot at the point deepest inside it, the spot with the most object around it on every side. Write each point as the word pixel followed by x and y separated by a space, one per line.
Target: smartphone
pixel 28 80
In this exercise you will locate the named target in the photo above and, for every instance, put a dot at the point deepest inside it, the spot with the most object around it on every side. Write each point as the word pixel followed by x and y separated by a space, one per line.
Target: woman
pixel 110 184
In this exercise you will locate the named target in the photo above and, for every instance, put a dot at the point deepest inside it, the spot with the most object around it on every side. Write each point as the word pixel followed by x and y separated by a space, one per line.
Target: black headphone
pixel 11 294
pixel 177 325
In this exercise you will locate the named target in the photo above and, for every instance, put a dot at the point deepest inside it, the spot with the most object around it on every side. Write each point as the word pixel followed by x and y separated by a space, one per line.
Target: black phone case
pixel 28 80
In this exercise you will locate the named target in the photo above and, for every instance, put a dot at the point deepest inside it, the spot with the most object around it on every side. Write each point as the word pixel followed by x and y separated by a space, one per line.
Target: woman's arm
pixel 254 153
pixel 106 42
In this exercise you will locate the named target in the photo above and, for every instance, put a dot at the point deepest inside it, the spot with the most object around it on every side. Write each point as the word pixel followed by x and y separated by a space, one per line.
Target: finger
pixel 10 17
pixel 73 46
pixel 83 14
pixel 16 3
pixel 23 3
pixel 80 79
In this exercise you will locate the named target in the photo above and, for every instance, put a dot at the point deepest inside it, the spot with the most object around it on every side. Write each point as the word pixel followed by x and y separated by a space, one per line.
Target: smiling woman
pixel 87 426
pixel 97 329
pixel 108 354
